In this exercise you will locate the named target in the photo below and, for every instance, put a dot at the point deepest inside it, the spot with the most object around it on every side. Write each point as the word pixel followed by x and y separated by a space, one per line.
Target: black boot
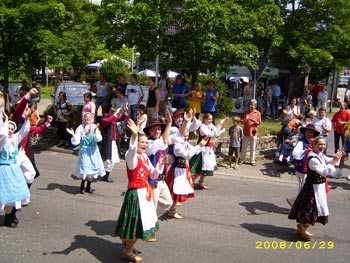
pixel 82 185
pixel 106 178
pixel 14 217
pixel 9 221
pixel 88 188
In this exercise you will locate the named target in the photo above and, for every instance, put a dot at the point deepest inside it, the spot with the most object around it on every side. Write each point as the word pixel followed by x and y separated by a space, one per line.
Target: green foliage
pixel 112 68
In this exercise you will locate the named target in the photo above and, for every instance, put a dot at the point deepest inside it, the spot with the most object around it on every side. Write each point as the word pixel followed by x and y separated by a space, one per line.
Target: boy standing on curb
pixel 236 135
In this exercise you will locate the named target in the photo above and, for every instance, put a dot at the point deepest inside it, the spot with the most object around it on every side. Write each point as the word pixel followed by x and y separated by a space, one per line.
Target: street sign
pixel 262 63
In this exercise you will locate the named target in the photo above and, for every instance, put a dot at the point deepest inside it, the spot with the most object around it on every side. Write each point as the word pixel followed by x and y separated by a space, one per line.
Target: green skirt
pixel 129 224
pixel 196 164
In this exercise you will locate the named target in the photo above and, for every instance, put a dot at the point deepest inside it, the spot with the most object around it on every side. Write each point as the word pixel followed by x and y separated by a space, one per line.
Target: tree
pixel 195 34
pixel 315 33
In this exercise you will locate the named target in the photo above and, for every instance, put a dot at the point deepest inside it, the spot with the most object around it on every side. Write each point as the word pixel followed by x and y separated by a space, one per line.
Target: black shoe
pixel 88 188
pixel 9 222
pixel 82 191
pixel 107 179
pixel 14 217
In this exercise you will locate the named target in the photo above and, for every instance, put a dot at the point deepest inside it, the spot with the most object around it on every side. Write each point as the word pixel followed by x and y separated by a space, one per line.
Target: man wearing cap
pixel 300 154
pixel 251 119
pixel 158 134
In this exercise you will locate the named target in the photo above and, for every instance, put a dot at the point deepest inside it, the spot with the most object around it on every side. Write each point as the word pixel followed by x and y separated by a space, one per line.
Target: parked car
pixel 75 95
pixel 343 81
pixel 13 88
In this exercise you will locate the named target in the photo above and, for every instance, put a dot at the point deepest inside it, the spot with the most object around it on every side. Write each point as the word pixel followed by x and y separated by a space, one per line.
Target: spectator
pixel 236 134
pixel 179 92
pixel 211 97
pixel 195 99
pixel 275 94
pixel 102 90
pixel 323 125
pixel 63 110
pixel 311 118
pixel 260 98
pixel 163 86
pixel 251 120
pixel 306 102
pixel 153 100
pixel 89 105
pixel 323 98
pixel 338 120
pixel 268 99
pixel 248 93
pixel 122 83
pixel 292 111
pixel 134 93
pixel 24 87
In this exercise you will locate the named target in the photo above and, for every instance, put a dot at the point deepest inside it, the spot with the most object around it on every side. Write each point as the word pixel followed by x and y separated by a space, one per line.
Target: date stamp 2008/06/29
pixel 274 245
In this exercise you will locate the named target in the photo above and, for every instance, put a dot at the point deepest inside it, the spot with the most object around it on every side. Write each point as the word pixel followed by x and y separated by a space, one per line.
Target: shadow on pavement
pixel 275 170
pixel 343 185
pixel 103 228
pixel 254 207
pixel 65 188
pixel 103 250
pixel 270 231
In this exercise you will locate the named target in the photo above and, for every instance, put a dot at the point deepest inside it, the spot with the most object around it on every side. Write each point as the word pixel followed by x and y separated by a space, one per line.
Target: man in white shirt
pixel 323 125
pixel 135 95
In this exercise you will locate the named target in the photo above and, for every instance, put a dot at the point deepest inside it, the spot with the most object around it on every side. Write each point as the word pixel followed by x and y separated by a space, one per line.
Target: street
pixel 237 220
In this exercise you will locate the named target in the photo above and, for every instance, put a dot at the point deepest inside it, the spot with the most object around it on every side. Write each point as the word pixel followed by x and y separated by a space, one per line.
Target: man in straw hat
pixel 158 134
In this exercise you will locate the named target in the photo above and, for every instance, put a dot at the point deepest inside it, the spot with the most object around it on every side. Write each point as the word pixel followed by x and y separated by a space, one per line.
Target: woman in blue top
pixel 211 96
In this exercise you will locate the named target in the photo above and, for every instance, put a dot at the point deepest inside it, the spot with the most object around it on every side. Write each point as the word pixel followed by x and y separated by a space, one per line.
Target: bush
pixel 112 68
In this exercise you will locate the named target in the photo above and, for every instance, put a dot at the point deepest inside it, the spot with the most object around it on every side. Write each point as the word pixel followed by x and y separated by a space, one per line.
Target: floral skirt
pixel 129 224
pixel 304 209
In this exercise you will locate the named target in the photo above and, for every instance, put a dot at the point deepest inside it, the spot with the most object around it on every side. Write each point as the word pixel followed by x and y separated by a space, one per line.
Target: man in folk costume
pixel 300 155
pixel 110 148
pixel 158 134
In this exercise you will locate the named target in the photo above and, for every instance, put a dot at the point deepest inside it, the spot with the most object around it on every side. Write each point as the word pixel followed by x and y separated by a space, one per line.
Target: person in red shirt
pixel 251 119
pixel 338 120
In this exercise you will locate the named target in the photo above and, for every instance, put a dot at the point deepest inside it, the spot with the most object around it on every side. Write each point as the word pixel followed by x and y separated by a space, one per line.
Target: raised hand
pixel 70 131
pixel 132 127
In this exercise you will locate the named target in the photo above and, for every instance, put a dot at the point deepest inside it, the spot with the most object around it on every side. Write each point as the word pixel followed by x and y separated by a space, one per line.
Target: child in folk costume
pixel 205 164
pixel 179 177
pixel 110 148
pixel 138 218
pixel 13 187
pixel 89 164
pixel 311 205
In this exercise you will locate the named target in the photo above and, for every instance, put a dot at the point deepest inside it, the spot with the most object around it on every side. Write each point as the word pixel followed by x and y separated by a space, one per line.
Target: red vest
pixel 138 178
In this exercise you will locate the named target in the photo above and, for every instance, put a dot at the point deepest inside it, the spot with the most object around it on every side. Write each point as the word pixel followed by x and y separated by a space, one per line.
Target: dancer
pixel 158 134
pixel 89 165
pixel 138 218
pixel 205 164
pixel 300 155
pixel 13 188
pixel 179 177
pixel 110 148
pixel 311 205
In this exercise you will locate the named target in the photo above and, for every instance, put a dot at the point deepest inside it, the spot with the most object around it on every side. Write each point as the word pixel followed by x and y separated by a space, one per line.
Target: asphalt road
pixel 240 219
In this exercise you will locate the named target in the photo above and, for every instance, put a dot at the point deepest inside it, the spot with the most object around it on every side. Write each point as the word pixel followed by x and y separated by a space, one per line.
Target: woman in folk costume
pixel 311 205
pixel 179 178
pixel 205 163
pixel 138 218
pixel 89 164
pixel 13 187
pixel 110 149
